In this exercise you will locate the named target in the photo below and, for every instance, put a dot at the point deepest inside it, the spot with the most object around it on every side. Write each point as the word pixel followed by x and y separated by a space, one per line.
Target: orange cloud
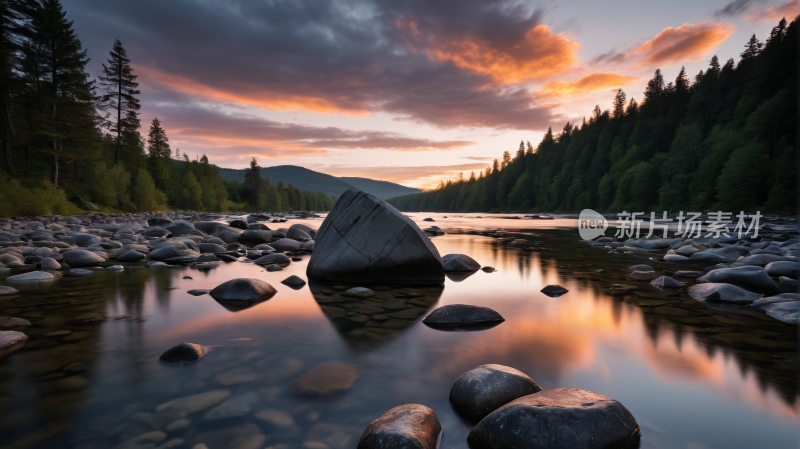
pixel 256 95
pixel 688 42
pixel 587 84
pixel 541 54
pixel 775 13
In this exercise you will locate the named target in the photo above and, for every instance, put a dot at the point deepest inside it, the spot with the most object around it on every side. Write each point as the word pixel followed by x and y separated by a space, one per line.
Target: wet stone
pixel 457 315
pixel 31 276
pixel 554 291
pixel 639 268
pixel 10 339
pixel 559 417
pixel 406 426
pixel 8 321
pixel 198 292
pixel 294 282
pixel 5 290
pixel 722 292
pixel 184 353
pixel 484 389
pixel 667 282
pixel 243 290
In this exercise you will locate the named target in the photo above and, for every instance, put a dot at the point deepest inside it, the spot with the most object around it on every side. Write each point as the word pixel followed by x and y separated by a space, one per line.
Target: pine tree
pixel 252 185
pixel 15 18
pixel 120 96
pixel 619 104
pixel 751 49
pixel 159 152
pixel 70 93
pixel 157 141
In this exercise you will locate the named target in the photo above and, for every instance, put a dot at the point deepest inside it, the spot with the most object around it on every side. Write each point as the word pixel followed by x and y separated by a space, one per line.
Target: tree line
pixel 724 140
pixel 70 140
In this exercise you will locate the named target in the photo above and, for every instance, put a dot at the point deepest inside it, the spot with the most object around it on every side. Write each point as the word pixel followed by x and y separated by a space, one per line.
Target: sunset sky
pixel 409 91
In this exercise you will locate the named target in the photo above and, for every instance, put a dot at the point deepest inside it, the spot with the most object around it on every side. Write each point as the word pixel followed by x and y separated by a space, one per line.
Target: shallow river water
pixel 694 376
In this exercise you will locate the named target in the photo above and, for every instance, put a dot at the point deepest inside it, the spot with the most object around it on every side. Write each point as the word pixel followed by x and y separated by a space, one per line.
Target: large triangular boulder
pixel 364 239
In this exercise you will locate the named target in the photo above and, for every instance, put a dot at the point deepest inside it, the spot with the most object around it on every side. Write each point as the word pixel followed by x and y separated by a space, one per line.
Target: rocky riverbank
pixel 757 272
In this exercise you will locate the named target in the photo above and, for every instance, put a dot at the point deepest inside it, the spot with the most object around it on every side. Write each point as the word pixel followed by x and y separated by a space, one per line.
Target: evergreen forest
pixel 722 139
pixel 73 143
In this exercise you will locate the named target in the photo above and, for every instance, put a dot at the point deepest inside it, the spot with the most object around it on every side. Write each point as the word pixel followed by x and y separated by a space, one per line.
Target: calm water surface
pixel 694 376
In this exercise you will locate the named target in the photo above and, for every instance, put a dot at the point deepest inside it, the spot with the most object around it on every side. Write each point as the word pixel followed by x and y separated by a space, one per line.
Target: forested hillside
pixel 72 143
pixel 722 139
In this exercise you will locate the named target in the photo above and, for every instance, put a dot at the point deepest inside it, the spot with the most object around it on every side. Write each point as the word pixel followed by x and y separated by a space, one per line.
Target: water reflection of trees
pixel 759 344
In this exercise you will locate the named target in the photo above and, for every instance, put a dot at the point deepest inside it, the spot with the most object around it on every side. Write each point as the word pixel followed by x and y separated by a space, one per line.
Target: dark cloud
pixel 353 57
pixel 736 7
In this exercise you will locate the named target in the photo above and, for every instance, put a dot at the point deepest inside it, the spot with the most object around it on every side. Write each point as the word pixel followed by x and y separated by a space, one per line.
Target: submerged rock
pixel 457 315
pixel 365 238
pixel 554 291
pixel 361 292
pixel 667 282
pixel 488 269
pixel 239 406
pixel 559 418
pixel 640 268
pixel 243 289
pixel 460 262
pixel 194 403
pixel 325 378
pixel 410 426
pixel 5 290
pixel 10 321
pixel 486 388
pixel 722 292
pixel 184 353
pixel 78 273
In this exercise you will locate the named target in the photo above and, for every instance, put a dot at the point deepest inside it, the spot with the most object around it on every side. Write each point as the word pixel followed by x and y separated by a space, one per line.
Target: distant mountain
pixel 313 181
pixel 381 189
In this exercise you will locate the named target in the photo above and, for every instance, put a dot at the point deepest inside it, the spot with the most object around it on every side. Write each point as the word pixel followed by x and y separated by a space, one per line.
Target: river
pixel 694 375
